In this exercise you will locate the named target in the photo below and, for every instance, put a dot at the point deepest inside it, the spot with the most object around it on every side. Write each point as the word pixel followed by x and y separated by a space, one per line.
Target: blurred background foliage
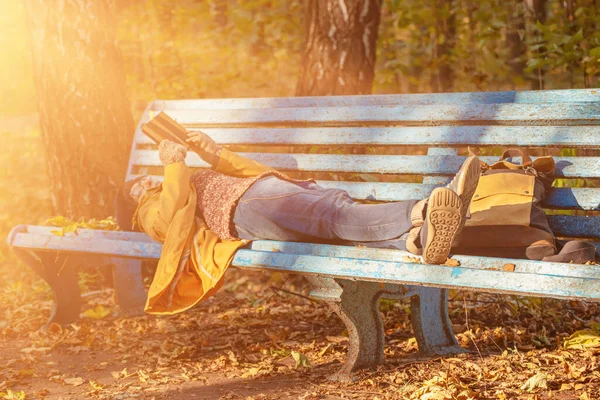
pixel 16 75
pixel 242 48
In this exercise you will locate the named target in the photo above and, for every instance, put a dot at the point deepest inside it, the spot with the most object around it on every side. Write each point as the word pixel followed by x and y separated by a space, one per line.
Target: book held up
pixel 164 127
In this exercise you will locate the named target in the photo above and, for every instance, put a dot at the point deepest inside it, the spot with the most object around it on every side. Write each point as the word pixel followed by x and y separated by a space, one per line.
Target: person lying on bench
pixel 204 217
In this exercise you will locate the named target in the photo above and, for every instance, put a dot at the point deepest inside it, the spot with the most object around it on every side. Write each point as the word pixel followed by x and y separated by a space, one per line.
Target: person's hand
pixel 203 141
pixel 170 152
pixel 203 144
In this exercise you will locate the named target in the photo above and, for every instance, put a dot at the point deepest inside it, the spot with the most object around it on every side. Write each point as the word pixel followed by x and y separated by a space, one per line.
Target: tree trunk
pixel 218 12
pixel 341 44
pixel 85 116
pixel 569 6
pixel 539 8
pixel 515 41
pixel 444 45
pixel 417 56
pixel 537 12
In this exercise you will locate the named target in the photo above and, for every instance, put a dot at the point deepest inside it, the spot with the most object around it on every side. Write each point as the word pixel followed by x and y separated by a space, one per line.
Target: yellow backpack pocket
pixel 502 199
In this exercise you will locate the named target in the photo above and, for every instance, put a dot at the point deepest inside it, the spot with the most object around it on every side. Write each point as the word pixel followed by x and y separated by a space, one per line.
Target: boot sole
pixel 467 185
pixel 443 220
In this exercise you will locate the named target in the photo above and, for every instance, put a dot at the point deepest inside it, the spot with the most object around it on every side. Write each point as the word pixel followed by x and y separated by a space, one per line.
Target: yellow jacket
pixel 193 259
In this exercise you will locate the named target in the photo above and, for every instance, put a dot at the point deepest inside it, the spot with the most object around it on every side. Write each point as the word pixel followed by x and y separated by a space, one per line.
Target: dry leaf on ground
pixel 539 380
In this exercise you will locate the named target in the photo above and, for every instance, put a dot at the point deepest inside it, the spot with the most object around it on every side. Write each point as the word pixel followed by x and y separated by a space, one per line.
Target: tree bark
pixel 341 45
pixel 537 11
pixel 218 12
pixel 443 79
pixel 515 40
pixel 85 115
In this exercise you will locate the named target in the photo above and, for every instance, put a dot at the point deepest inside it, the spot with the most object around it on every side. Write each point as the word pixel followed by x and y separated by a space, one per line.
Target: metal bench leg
pixel 60 272
pixel 129 286
pixel 357 304
pixel 431 324
pixel 359 309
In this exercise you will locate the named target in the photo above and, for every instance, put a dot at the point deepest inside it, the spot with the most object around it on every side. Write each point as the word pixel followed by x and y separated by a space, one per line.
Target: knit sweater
pixel 218 195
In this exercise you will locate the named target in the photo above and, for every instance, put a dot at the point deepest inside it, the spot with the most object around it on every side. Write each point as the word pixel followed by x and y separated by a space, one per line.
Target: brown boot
pixel 443 219
pixel 464 184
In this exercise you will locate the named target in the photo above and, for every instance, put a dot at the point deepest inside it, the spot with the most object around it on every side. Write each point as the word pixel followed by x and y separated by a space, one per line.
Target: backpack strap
pixel 515 152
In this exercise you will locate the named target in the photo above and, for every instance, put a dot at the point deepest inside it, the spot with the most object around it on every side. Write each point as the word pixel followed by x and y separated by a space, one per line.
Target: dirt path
pixel 241 345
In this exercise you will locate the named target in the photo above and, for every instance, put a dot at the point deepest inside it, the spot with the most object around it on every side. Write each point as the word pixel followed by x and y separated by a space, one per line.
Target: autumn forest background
pixel 119 55
pixel 226 48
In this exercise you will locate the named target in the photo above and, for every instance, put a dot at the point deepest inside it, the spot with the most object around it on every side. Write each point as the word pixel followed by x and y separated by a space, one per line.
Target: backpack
pixel 506 216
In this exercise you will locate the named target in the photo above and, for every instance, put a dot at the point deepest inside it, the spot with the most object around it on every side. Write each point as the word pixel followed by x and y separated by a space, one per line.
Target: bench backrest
pixel 398 147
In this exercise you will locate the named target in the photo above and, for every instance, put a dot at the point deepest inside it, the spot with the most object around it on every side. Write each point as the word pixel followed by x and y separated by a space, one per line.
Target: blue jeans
pixel 276 209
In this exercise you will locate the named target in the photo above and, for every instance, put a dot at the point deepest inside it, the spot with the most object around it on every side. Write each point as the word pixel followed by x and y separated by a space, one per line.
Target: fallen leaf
pixel 582 339
pixel 451 262
pixel 251 372
pixel 10 395
pixel 74 381
pixel 142 376
pixel 301 360
pixel 337 339
pixel 121 374
pixel 28 350
pixel 96 385
pixel 325 349
pixel 78 349
pixel 566 386
pixel 508 267
pixel 436 396
pixel 98 312
pixel 539 380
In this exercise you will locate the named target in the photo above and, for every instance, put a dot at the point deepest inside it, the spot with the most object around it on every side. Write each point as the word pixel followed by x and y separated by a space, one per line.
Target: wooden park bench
pixel 363 144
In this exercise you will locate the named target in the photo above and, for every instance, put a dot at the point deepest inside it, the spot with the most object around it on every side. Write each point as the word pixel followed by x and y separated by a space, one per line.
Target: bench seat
pixel 526 277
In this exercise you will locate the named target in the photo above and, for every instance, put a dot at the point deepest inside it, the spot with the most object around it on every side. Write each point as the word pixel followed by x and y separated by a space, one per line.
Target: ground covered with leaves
pixel 261 337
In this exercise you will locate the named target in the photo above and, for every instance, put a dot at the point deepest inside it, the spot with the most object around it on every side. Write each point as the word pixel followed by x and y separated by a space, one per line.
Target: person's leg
pixel 439 219
pixel 446 212
pixel 281 210
pixel 276 209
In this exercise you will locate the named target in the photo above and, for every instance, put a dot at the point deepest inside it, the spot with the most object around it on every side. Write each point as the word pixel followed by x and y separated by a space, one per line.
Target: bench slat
pixel 568 136
pixel 576 226
pixel 118 243
pixel 540 114
pixel 569 167
pixel 90 245
pixel 532 96
pixel 89 233
pixel 571 198
pixel 423 274
pixel 323 250
pixel 562 280
pixel 561 198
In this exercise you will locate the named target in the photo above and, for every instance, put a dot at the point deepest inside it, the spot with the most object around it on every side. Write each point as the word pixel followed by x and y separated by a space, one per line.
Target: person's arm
pixel 223 160
pixel 231 163
pixel 174 195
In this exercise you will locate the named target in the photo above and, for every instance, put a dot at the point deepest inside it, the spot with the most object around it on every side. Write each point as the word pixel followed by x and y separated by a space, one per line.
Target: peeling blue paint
pixel 456 272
